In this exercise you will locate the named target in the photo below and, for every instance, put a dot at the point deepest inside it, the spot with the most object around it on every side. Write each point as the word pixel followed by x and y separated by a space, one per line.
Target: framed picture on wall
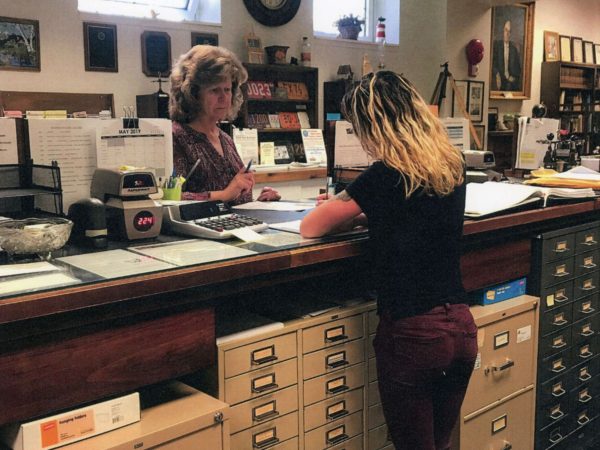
pixel 19 44
pixel 512 43
pixel 156 53
pixel 565 48
pixel 205 39
pixel 576 49
pixel 100 47
pixel 475 102
pixel 596 53
pixel 462 86
pixel 480 132
pixel 551 46
pixel 254 49
pixel 588 52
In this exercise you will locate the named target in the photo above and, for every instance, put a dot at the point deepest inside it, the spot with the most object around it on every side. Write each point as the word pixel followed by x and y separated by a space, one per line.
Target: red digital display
pixel 143 221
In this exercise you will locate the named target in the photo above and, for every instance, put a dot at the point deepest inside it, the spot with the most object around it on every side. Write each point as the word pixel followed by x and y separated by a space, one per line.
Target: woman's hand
pixel 268 194
pixel 240 184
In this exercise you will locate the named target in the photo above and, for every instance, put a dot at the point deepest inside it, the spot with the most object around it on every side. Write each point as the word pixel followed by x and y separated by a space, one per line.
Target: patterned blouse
pixel 214 172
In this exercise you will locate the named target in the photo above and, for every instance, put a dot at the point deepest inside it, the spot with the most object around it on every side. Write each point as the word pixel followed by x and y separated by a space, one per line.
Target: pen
pixel 248 166
pixel 189 174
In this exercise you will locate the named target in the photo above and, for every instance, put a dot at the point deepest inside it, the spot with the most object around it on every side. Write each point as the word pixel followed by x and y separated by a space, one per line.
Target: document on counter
pixel 8 142
pixel 276 206
pixel 190 252
pixel 33 283
pixel 115 263
pixel 291 227
pixel 10 270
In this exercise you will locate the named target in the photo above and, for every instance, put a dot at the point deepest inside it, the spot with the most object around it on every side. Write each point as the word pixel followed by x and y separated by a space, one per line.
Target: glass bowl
pixel 30 236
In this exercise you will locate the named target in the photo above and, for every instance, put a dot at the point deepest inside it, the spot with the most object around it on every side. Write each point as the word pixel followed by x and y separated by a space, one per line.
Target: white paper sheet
pixel 348 151
pixel 314 146
pixel 246 143
pixel 9 270
pixel 45 281
pixel 8 142
pixel 530 153
pixel 276 206
pixel 246 234
pixel 291 227
pixel 115 263
pixel 193 251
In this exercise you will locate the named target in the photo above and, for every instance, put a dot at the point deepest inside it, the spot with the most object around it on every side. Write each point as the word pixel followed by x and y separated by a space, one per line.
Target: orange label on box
pixel 67 428
pixel 49 432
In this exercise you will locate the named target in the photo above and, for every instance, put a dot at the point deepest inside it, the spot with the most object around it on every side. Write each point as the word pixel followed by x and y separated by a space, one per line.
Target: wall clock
pixel 272 12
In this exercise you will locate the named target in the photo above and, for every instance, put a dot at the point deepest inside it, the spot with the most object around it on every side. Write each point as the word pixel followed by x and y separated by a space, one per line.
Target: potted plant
pixel 349 26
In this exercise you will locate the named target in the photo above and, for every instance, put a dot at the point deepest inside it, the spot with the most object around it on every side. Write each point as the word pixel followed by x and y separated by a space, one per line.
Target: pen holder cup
pixel 172 193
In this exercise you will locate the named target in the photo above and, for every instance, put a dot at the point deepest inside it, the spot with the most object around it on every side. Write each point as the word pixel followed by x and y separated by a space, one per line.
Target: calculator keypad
pixel 228 222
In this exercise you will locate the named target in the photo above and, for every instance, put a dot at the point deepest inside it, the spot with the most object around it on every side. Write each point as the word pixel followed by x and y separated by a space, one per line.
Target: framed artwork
pixel 472 93
pixel 576 49
pixel 100 47
pixel 19 44
pixel 480 131
pixel 254 49
pixel 588 52
pixel 565 48
pixel 462 86
pixel 551 46
pixel 597 53
pixel 205 39
pixel 156 53
pixel 512 42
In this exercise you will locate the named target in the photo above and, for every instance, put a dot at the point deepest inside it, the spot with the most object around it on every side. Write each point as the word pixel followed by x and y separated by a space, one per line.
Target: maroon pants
pixel 424 364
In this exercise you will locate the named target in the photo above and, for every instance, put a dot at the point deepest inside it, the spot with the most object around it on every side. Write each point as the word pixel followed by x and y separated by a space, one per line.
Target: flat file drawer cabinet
pixel 565 273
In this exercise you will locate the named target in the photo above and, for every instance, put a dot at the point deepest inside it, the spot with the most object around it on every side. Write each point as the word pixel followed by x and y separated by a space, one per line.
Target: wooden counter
pixel 82 343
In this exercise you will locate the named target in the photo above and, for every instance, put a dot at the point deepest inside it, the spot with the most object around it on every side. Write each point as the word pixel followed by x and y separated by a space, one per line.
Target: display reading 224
pixel 272 13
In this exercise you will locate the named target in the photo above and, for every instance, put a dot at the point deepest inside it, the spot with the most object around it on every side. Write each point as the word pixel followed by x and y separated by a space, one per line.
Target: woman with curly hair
pixel 413 198
pixel 205 89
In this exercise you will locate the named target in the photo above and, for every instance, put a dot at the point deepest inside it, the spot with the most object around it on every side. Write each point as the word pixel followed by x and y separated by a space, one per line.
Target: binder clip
pixel 129 119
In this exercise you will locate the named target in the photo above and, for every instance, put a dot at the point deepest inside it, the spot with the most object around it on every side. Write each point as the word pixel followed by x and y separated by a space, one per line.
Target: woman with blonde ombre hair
pixel 206 89
pixel 413 199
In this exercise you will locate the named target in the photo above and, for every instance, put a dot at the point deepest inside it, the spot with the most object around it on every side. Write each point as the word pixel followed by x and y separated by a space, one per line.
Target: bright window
pixel 208 11
pixel 325 13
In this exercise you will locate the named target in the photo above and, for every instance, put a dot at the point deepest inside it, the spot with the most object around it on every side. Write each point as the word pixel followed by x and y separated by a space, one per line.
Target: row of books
pixel 284 120
pixel 576 77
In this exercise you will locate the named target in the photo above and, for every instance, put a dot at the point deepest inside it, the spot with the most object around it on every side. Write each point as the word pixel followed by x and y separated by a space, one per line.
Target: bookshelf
pixel 571 92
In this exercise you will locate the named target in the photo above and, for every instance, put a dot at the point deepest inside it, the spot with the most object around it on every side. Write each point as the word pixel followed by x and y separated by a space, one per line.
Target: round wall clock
pixel 272 12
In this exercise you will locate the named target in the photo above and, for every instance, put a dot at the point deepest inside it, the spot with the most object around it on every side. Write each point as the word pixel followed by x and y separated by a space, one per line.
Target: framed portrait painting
pixel 19 44
pixel 551 46
pixel 512 42
pixel 100 47
pixel 205 39
pixel 565 48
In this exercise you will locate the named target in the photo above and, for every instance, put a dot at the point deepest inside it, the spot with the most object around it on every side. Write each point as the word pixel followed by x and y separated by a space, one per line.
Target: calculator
pixel 209 220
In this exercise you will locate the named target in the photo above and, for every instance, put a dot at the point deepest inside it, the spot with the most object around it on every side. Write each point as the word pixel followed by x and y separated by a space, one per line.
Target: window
pixel 208 11
pixel 325 13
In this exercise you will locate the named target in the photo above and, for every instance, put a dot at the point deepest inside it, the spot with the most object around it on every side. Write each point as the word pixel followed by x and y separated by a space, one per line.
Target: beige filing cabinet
pixel 498 410
pixel 186 419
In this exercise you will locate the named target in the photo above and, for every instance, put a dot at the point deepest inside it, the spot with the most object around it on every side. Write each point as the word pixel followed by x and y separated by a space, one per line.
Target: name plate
pixel 335 333
pixel 499 424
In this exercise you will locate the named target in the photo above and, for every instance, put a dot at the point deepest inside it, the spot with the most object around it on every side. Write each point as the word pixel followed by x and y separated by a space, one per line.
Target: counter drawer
pixel 508 425
pixel 267 435
pixel 552 412
pixel 327 386
pixel 583 416
pixel 321 413
pixel 554 389
pixel 375 416
pixel 555 296
pixel 334 358
pixel 586 263
pixel 260 354
pixel 334 433
pixel 558 247
pixel 553 434
pixel 555 342
pixel 586 240
pixel 332 333
pixel 585 285
pixel 584 351
pixel 554 365
pixel 356 443
pixel 584 372
pixel 583 397
pixel 585 329
pixel 558 272
pixel 373 393
pixel 556 319
pixel 268 407
pixel 378 438
pixel 260 382
pixel 586 306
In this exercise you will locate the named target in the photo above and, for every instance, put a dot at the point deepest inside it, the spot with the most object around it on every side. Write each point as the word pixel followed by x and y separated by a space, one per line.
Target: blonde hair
pixel 201 67
pixel 395 126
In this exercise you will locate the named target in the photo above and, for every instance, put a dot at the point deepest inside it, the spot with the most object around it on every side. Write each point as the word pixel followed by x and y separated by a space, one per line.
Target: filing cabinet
pixel 565 273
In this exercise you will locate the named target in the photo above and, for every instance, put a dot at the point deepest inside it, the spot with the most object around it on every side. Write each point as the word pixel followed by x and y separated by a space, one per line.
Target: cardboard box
pixel 500 292
pixel 72 426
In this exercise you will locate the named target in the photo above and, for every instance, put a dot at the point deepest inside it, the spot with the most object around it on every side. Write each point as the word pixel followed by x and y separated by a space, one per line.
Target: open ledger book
pixel 484 199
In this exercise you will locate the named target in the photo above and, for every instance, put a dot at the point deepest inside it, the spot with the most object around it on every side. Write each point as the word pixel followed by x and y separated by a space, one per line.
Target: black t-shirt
pixel 414 242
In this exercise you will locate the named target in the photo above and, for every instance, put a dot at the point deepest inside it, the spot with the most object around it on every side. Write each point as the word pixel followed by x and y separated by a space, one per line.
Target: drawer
pixel 334 433
pixel 586 240
pixel 556 319
pixel 558 247
pixel 583 396
pixel 583 438
pixel 553 434
pixel 375 416
pixel 259 354
pixel 373 393
pixel 334 358
pixel 584 329
pixel 584 351
pixel 290 444
pixel 327 386
pixel 267 435
pixel 268 407
pixel 373 321
pixel 356 443
pixel 584 415
pixel 586 306
pixel 259 382
pixel 585 371
pixel 558 295
pixel 558 272
pixel 554 365
pixel 321 413
pixel 506 351
pixel 586 263
pixel 507 425
pixel 332 333
pixel 378 438
pixel 554 343
pixel 585 285
pixel 370 348
pixel 552 412
pixel 554 389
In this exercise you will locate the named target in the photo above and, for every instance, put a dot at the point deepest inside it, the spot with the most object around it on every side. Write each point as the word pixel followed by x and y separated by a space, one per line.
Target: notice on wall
pixel 8 142
pixel 314 146
pixel 246 142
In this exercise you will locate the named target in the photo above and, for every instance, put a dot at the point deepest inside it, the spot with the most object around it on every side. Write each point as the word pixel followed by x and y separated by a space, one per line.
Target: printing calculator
pixel 209 220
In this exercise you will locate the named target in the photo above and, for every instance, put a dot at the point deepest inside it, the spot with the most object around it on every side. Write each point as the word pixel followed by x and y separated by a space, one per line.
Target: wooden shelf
pixel 295 174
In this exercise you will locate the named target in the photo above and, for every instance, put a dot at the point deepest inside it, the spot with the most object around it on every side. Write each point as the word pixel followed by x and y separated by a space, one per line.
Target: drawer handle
pixel 266 416
pixel 587 333
pixel 559 369
pixel 266 387
pixel 556 437
pixel 557 414
pixel 337 439
pixel 588 288
pixel 589 243
pixel 587 311
pixel 507 446
pixel 561 249
pixel 561 298
pixel 583 420
pixel 338 414
pixel 559 392
pixel 560 322
pixel 586 355
pixel 264 360
pixel 560 345
pixel 340 337
pixel 584 376
pixel 267 443
pixel 338 389
pixel 561 274
pixel 588 266
pixel 508 364
pixel 333 365
pixel 586 398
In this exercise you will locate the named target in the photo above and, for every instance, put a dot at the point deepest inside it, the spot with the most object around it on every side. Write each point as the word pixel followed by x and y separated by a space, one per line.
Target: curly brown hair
pixel 200 67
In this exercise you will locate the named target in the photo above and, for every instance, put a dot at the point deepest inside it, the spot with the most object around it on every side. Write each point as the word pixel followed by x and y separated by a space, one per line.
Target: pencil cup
pixel 172 193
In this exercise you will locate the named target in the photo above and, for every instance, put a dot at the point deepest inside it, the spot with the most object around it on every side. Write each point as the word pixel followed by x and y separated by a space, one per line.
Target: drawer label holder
pixel 335 334
pixel 336 385
pixel 265 411
pixel 336 435
pixel 265 438
pixel 263 355
pixel 337 410
pixel 264 383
